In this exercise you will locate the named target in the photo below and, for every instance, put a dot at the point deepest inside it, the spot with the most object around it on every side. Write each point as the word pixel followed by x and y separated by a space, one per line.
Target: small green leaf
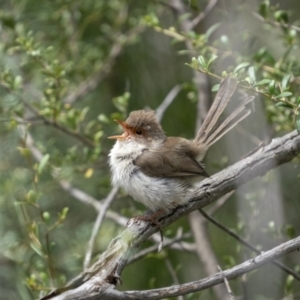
pixel 297 123
pixel 202 61
pixel 240 67
pixel 272 86
pixel 215 88
pixel 283 95
pixel 264 8
pixel 213 57
pixel 285 81
pixel 283 104
pixel 212 29
pixel 262 82
pixel 281 16
pixel 251 72
pixel 43 163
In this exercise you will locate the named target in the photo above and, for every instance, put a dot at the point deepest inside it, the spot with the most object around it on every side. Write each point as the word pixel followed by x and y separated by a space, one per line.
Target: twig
pixel 46 121
pixel 167 101
pixel 248 245
pixel 203 14
pixel 173 274
pixel 95 79
pixel 205 251
pixel 219 203
pixel 231 295
pixel 105 205
pixel 168 243
pixel 276 24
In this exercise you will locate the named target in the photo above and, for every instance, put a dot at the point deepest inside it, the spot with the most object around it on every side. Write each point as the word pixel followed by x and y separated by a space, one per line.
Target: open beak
pixel 122 136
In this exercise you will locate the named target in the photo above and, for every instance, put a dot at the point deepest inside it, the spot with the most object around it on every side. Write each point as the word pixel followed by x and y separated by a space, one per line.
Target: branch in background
pixel 100 279
pixel 231 296
pixel 167 243
pixel 211 4
pixel 105 205
pixel 167 101
pixel 276 24
pixel 46 121
pixel 205 252
pixel 95 79
pixel 173 274
pixel 248 245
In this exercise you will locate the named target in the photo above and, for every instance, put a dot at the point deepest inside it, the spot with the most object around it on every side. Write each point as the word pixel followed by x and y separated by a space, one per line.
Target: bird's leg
pixel 152 217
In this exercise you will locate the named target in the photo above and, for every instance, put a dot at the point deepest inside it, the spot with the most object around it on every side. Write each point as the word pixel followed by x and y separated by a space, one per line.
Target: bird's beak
pixel 123 136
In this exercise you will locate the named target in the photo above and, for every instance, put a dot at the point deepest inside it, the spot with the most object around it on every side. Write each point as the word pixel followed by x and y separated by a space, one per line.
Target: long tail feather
pixel 222 98
pixel 210 131
pixel 233 119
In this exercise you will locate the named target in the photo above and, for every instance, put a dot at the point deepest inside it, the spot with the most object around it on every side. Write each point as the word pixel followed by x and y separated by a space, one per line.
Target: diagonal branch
pixel 99 280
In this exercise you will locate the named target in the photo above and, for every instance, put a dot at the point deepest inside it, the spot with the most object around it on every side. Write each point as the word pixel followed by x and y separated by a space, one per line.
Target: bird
pixel 157 170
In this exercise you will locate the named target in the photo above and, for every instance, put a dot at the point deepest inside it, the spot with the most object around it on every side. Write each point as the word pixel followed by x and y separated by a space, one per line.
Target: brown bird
pixel 157 170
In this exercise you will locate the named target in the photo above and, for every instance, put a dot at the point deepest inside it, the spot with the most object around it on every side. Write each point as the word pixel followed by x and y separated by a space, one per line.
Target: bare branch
pixel 167 101
pixel 202 15
pixel 95 79
pixel 105 205
pixel 276 24
pixel 227 285
pixel 205 251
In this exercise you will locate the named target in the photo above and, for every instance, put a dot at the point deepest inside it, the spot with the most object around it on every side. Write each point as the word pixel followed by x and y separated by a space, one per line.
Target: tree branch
pixel 98 281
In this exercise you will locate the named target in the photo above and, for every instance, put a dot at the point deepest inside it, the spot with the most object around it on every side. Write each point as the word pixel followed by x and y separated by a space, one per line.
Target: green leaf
pixel 285 81
pixel 213 57
pixel 251 72
pixel 283 104
pixel 262 82
pixel 240 67
pixel 283 95
pixel 212 29
pixel 297 123
pixel 202 61
pixel 43 163
pixel 215 88
pixel 264 8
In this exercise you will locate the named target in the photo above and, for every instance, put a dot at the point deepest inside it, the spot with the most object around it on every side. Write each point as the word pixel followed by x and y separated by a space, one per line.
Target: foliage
pixel 68 69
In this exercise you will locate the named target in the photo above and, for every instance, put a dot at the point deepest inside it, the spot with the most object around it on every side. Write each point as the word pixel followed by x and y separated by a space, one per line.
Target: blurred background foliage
pixel 68 68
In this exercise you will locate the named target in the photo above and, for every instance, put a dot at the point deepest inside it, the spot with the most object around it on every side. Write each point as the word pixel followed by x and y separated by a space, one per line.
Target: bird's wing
pixel 176 158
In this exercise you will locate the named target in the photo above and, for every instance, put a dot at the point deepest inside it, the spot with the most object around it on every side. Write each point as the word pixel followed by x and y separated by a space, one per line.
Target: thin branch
pixel 231 296
pixel 167 101
pixel 247 244
pixel 173 274
pixel 95 79
pixel 46 121
pixel 205 251
pixel 203 15
pixel 218 204
pixel 167 243
pixel 276 24
pixel 105 205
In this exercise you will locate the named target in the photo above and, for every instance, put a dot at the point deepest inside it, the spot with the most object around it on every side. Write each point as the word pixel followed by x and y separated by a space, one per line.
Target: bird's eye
pixel 139 132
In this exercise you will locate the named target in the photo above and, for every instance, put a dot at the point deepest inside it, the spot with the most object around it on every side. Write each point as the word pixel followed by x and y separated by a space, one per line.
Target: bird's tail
pixel 211 130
